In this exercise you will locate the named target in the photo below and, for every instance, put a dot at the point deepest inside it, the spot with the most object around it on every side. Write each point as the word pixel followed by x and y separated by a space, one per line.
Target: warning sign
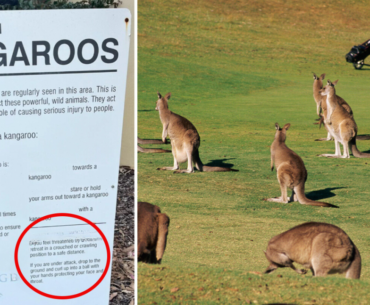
pixel 63 81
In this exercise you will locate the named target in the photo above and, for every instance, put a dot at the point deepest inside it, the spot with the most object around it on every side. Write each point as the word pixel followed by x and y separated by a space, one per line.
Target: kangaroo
pixel 152 233
pixel 185 140
pixel 321 247
pixel 321 103
pixel 341 125
pixel 291 171
pixel 150 150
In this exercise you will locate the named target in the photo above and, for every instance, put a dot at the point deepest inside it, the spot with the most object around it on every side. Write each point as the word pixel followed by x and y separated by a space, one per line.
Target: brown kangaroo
pixel 321 103
pixel 341 125
pixel 150 150
pixel 291 171
pixel 185 140
pixel 152 233
pixel 321 247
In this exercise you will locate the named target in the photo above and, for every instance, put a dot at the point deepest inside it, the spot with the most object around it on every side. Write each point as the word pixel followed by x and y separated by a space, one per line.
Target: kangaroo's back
pixel 180 126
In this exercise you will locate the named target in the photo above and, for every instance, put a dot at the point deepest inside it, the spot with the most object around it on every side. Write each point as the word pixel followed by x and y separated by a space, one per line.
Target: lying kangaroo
pixel 185 140
pixel 341 125
pixel 321 103
pixel 322 247
pixel 150 150
pixel 291 171
pixel 152 233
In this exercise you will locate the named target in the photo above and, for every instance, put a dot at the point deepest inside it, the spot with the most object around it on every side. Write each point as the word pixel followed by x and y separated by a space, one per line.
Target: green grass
pixel 234 69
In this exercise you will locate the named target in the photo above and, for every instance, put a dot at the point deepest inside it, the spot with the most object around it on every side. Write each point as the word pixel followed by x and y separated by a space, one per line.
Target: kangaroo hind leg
pixel 175 162
pixel 284 181
pixel 321 261
pixel 284 195
pixel 279 259
pixel 189 154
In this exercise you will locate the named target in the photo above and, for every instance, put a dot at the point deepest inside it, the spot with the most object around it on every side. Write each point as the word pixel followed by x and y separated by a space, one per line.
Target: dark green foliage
pixel 50 4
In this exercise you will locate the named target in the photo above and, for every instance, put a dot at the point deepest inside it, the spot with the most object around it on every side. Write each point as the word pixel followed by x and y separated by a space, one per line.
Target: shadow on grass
pixel 220 163
pixel 146 110
pixel 322 194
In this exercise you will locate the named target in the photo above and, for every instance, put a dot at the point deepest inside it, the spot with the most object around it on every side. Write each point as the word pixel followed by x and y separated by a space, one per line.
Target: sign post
pixel 62 89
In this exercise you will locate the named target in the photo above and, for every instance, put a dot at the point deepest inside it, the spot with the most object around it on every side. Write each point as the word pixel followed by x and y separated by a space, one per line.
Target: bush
pixel 52 4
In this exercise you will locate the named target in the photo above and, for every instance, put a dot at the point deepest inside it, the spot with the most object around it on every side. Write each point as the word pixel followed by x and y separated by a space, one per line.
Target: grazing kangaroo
pixel 291 171
pixel 150 150
pixel 152 233
pixel 341 125
pixel 321 247
pixel 321 103
pixel 185 140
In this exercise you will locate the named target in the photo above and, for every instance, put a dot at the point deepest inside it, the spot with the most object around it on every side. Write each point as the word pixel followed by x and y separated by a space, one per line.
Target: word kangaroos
pixel 321 247
pixel 321 103
pixel 185 140
pixel 152 233
pixel 341 125
pixel 291 171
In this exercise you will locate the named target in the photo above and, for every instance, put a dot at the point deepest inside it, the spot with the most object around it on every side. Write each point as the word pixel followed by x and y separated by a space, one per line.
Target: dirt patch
pixel 123 266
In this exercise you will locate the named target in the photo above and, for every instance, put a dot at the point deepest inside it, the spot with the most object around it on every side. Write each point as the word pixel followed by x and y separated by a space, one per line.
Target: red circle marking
pixel 61 297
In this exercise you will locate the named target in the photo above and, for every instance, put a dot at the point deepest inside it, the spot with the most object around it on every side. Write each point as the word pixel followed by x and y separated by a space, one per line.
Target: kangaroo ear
pixel 277 127
pixel 322 77
pixel 159 95
pixel 336 82
pixel 286 126
pixel 329 83
pixel 314 76
pixel 168 95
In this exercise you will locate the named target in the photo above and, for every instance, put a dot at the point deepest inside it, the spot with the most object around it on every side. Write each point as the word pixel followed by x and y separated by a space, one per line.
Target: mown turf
pixel 234 69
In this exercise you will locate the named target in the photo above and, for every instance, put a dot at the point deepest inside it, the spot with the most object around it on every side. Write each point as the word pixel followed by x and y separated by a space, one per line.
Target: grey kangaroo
pixel 185 140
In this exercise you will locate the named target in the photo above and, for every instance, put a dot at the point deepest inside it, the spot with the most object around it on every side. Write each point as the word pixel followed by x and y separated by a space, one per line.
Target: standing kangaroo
pixel 152 233
pixel 341 125
pixel 321 103
pixel 291 171
pixel 185 140
pixel 321 247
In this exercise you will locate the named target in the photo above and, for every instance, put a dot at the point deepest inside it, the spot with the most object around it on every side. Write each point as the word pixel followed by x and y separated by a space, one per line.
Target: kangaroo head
pixel 318 80
pixel 162 101
pixel 281 132
pixel 329 88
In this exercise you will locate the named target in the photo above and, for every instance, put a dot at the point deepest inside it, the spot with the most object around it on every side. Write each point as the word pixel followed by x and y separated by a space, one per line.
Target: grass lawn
pixel 234 69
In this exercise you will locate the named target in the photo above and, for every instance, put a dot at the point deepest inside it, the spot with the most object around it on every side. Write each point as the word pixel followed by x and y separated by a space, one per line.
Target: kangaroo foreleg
pixel 164 132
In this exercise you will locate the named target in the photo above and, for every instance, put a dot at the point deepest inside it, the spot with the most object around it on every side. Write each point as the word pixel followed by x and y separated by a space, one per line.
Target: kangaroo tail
pixel 203 168
pixel 354 270
pixel 218 169
pixel 141 141
pixel 355 151
pixel 362 138
pixel 163 224
pixel 151 150
pixel 299 190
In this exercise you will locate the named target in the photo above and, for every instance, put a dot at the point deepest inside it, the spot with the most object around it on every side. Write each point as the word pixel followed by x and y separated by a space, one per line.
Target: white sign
pixel 62 92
